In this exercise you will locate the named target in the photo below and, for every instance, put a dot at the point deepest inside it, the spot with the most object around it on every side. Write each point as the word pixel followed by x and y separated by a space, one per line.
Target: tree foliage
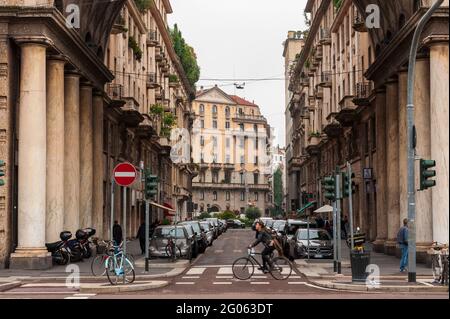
pixel 278 190
pixel 204 215
pixel 186 55
pixel 253 213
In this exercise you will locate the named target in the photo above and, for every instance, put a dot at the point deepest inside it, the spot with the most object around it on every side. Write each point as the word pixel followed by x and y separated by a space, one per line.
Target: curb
pixel 177 264
pixel 381 288
pixel 109 289
pixel 9 285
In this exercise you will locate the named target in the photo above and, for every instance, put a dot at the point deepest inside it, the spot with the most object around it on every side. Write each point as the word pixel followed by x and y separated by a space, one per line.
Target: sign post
pixel 350 204
pixel 125 174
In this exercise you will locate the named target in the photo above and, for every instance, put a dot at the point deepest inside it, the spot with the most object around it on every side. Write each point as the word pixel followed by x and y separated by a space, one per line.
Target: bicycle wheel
pixel 120 270
pixel 282 268
pixel 98 265
pixel 243 268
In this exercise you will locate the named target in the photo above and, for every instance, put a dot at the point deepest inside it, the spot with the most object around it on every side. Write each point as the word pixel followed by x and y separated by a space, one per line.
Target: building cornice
pixel 340 16
pixel 137 17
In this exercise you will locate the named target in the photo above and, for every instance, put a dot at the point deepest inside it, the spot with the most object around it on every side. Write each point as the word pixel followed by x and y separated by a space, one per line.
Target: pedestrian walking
pixel 402 240
pixel 141 236
pixel 344 222
pixel 117 233
pixel 320 222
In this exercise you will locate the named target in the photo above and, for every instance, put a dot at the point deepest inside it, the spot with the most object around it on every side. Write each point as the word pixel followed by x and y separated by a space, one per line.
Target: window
pixel 202 109
pixel 215 141
pixel 242 196
pixel 214 109
pixel 242 159
pixel 202 177
pixel 242 142
pixel 240 111
pixel 242 178
pixel 228 177
pixel 227 111
pixel 215 195
pixel 227 159
pixel 256 143
pixel 228 142
pixel 215 157
pixel 202 195
pixel 256 160
pixel 227 196
pixel 227 125
pixel 241 127
pixel 256 178
pixel 214 124
pixel 255 128
pixel 202 141
pixel 256 196
pixel 202 123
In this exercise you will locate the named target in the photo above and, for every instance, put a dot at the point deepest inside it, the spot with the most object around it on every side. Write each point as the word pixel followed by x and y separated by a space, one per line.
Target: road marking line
pixel 237 251
pixel 222 283
pixel 259 283
pixel 47 285
pixel 196 271
pixel 426 283
pixel 297 283
pixel 85 295
pixel 76 298
pixel 185 283
pixel 225 271
pixel 259 277
pixel 295 277
pixel 219 251
pixel 191 277
pixel 224 277
pixel 36 293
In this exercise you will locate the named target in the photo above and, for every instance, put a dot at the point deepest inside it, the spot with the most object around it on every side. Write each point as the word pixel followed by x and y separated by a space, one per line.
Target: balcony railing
pixel 114 91
pixel 363 91
pixel 248 117
pixel 325 36
pixel 325 79
pixel 152 38
pixel 151 80
pixel 359 23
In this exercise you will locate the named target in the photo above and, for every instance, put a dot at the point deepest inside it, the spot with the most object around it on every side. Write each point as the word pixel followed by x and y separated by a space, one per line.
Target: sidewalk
pixel 321 272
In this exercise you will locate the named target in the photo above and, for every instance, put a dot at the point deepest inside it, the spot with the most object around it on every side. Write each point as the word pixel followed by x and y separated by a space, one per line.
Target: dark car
pixel 320 244
pixel 200 235
pixel 235 223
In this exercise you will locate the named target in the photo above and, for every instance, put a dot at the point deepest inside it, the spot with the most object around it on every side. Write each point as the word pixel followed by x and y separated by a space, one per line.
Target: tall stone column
pixel 392 173
pixel 381 170
pixel 97 191
pixel 424 214
pixel 86 155
pixel 402 144
pixel 31 252
pixel 55 148
pixel 72 152
pixel 439 138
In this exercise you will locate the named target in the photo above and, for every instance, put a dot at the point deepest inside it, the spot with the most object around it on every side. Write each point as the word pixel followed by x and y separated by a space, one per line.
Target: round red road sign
pixel 125 174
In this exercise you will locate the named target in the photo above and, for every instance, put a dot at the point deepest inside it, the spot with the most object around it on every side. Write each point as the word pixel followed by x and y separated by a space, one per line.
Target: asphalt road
pixel 210 277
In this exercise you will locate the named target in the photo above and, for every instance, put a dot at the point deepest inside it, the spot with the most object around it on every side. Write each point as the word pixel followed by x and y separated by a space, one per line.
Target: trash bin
pixel 359 262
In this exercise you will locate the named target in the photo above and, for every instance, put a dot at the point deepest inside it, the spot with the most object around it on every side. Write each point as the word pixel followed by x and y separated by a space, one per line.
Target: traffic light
pixel 329 187
pixel 2 172
pixel 151 185
pixel 426 174
pixel 345 184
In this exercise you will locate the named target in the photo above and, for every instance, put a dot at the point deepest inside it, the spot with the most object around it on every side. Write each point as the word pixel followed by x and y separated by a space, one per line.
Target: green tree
pixel 204 215
pixel 186 55
pixel 227 215
pixel 278 191
pixel 253 213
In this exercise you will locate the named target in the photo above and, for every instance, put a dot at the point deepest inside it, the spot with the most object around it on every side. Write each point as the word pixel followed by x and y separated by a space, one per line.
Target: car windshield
pixel 314 234
pixel 269 223
pixel 205 226
pixel 196 227
pixel 169 232
pixel 189 229
pixel 279 225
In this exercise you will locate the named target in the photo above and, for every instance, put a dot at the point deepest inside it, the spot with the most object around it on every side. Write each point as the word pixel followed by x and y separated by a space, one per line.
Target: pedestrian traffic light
pixel 346 181
pixel 151 186
pixel 329 188
pixel 426 174
pixel 2 172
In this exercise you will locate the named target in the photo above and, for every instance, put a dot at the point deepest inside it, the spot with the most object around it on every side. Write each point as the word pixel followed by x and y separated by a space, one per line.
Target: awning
pixel 163 207
pixel 302 210
pixel 324 209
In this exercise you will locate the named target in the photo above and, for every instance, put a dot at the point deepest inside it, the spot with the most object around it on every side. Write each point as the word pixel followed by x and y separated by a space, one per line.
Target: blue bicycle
pixel 119 269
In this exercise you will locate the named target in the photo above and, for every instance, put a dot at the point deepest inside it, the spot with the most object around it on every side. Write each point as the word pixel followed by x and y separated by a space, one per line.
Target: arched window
pixel 202 109
pixel 214 195
pixel 255 128
pixel 214 109
pixel 227 111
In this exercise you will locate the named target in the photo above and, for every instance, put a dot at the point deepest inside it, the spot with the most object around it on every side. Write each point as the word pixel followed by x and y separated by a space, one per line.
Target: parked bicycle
pixel 172 250
pixel 439 263
pixel 244 267
pixel 98 264
pixel 119 268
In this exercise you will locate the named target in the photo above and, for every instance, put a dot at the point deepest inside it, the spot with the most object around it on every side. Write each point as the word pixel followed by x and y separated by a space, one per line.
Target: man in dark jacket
pixel 263 236
pixel 141 236
pixel 117 233
pixel 402 240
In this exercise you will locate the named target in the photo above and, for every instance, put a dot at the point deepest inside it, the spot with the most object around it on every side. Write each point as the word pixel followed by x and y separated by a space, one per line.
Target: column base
pixel 390 247
pixel 378 245
pixel 31 259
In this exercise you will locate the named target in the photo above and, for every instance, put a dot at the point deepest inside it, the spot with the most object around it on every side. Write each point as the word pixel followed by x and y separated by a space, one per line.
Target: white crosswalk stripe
pixel 196 271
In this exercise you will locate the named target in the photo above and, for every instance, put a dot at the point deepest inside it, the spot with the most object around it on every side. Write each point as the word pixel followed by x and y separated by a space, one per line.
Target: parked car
pixel 320 244
pixel 192 237
pixel 269 223
pixel 215 223
pixel 223 224
pixel 161 237
pixel 209 232
pixel 265 219
pixel 292 225
pixel 235 223
pixel 200 235
pixel 279 229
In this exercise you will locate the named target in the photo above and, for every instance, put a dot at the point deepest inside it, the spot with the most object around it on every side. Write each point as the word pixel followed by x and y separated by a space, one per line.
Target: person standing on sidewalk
pixel 117 233
pixel 141 236
pixel 402 240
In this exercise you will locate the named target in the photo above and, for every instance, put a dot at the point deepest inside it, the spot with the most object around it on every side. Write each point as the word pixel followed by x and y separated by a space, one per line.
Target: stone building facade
pixel 75 98
pixel 231 146
pixel 349 105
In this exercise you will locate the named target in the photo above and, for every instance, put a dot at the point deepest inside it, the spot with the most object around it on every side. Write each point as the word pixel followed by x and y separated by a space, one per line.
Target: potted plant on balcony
pixel 173 80
pixel 134 46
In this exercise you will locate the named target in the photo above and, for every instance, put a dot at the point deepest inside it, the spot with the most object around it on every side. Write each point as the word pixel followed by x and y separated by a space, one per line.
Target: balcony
pixel 159 56
pixel 318 54
pixel 228 166
pixel 216 166
pixel 152 39
pixel 319 93
pixel 147 128
pixel 249 118
pixel 115 93
pixel 304 81
pixel 131 115
pixel 359 23
pixel 347 111
pixel 151 81
pixel 363 92
pixel 218 186
pixel 160 95
pixel 332 129
pixel 325 79
pixel 119 25
pixel 325 36
pixel 295 163
pixel 313 147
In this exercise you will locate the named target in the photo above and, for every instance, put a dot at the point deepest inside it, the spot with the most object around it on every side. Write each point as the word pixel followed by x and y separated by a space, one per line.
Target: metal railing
pixel 325 77
pixel 325 34
pixel 363 90
pixel 114 91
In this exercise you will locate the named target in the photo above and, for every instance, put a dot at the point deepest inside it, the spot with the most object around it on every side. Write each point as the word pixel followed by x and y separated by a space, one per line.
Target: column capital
pixel 392 80
pixel 86 84
pixel 33 40
pixel 72 73
pixel 436 39
pixel 97 92
pixel 403 69
pixel 57 58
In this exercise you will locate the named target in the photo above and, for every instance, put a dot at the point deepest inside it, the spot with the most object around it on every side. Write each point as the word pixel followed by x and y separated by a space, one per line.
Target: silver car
pixel 163 234
pixel 206 226
pixel 320 244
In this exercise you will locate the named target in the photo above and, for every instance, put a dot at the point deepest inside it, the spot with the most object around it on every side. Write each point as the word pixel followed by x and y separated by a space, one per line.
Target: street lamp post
pixel 412 142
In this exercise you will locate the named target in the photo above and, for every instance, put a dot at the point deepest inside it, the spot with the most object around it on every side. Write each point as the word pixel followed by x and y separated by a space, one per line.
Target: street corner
pixel 163 264
pixel 106 288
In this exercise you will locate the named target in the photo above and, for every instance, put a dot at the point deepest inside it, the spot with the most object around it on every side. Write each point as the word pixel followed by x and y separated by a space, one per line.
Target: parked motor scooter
pixel 82 236
pixel 59 251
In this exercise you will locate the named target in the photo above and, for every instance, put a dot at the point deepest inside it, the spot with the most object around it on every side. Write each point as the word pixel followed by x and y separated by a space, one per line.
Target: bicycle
pixel 98 264
pixel 172 250
pixel 243 268
pixel 119 267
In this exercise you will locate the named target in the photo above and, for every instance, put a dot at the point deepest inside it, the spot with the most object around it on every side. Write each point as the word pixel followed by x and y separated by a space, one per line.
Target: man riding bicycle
pixel 263 236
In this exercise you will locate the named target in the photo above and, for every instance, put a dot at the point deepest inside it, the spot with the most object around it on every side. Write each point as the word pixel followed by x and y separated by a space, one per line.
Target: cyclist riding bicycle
pixel 263 236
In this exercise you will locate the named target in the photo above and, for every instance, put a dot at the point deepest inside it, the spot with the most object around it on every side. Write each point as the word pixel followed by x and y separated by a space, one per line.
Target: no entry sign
pixel 125 174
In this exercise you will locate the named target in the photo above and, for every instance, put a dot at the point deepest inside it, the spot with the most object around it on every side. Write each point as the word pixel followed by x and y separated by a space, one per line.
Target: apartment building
pixel 348 106
pixel 231 141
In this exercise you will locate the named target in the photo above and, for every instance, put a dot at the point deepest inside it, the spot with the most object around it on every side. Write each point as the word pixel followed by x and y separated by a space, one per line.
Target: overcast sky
pixel 242 39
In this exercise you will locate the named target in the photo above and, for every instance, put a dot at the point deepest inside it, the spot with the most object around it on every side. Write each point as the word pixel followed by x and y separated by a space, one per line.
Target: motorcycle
pixel 59 250
pixel 82 236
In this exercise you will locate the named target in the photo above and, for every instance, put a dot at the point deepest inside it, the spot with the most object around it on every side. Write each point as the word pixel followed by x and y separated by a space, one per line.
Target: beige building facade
pixel 231 145
pixel 349 105
pixel 76 99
